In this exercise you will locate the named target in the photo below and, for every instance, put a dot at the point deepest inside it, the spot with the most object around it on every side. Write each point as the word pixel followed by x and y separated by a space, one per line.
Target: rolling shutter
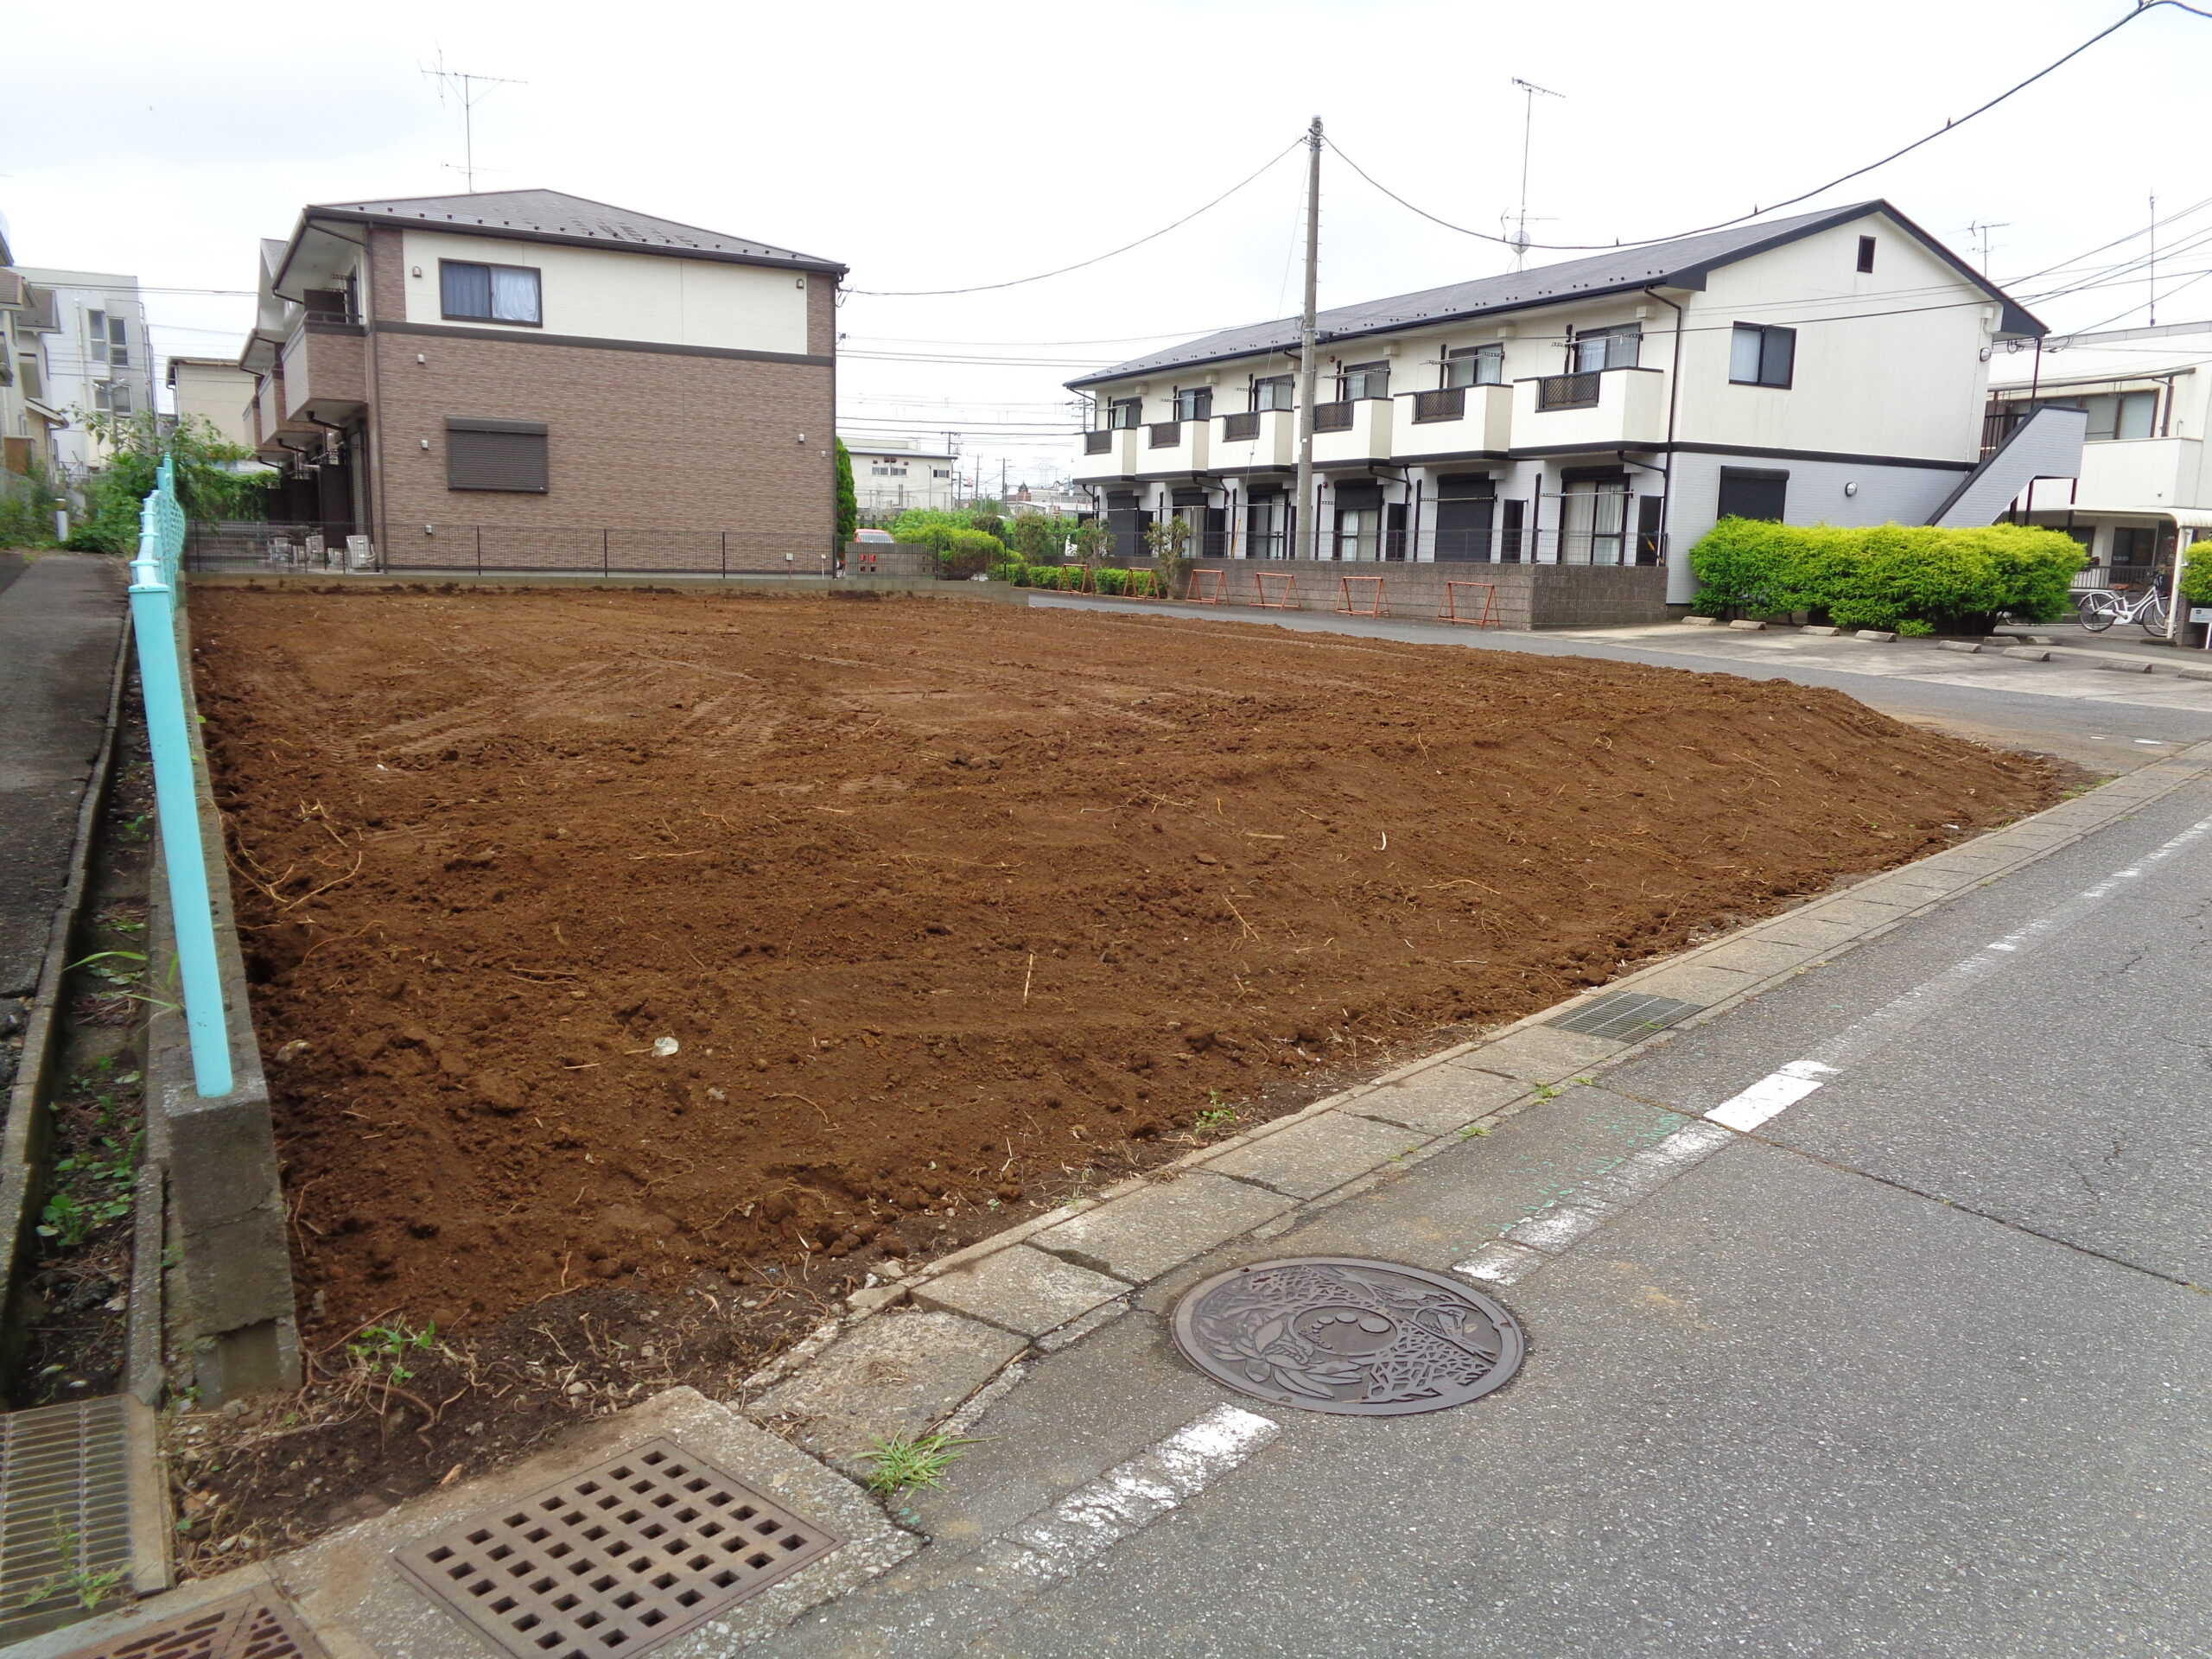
pixel 483 454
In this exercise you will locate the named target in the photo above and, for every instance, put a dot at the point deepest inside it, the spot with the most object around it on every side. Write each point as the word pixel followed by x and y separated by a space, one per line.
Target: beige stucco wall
pixel 218 393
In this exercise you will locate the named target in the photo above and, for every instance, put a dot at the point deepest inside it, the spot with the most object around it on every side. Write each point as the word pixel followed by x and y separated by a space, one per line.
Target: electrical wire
pixel 2142 8
pixel 986 288
pixel 2155 224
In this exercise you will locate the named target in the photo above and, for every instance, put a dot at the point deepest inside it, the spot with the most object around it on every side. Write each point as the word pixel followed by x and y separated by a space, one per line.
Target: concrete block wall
pixel 1529 596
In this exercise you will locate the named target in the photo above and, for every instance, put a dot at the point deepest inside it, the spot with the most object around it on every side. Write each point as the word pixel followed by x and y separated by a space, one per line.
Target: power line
pixel 985 288
pixel 2142 7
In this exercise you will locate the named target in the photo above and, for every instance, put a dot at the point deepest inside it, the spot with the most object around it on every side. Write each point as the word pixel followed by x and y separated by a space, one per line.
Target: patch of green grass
pixel 902 1462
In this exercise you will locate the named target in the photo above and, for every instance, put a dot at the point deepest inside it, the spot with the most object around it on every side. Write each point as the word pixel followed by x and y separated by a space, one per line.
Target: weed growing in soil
pixel 901 1463
pixel 380 1348
pixel 86 1587
pixel 1218 1116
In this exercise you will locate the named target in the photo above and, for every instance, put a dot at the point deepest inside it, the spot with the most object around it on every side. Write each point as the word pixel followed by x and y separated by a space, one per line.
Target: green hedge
pixel 960 552
pixel 2196 573
pixel 1915 578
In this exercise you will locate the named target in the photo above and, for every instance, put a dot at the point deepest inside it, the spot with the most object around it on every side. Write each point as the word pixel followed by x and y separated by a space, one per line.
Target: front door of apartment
pixel 1593 520
pixel 1359 521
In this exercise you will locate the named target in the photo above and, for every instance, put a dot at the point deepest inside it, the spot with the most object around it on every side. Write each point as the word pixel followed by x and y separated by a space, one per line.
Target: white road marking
pixel 1092 1519
pixel 1530 1244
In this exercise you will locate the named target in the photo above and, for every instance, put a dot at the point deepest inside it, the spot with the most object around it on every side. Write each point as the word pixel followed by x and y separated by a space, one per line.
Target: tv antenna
pixel 467 90
pixel 1518 240
pixel 1982 232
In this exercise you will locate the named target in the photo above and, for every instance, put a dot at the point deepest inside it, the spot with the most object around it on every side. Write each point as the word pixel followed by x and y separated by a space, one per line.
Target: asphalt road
pixel 2106 722
pixel 60 621
pixel 1922 1366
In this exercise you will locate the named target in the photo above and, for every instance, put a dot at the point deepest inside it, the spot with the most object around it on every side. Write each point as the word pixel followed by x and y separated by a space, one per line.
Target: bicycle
pixel 2099 607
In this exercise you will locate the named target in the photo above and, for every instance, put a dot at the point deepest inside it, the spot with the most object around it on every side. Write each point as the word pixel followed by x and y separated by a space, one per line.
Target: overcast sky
pixel 968 143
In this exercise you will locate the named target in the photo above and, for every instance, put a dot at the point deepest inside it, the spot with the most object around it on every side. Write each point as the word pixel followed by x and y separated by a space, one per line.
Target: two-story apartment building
pixel 891 474
pixel 2145 491
pixel 1830 367
pixel 551 381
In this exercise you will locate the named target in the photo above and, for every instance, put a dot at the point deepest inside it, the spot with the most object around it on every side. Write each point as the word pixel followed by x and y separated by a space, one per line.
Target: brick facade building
pixel 531 379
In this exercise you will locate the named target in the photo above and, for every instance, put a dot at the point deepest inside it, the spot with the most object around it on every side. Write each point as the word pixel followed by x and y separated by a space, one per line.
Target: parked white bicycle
pixel 2101 607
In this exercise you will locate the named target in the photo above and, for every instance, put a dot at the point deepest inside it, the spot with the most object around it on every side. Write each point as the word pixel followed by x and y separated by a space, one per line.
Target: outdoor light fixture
pixel 426 444
pixel 1850 486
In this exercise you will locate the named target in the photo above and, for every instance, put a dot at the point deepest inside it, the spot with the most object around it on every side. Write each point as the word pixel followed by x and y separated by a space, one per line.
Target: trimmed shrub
pixel 2196 573
pixel 959 552
pixel 1915 578
pixel 1112 581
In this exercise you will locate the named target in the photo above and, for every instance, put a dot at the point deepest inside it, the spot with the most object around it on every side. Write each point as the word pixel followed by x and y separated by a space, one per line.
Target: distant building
pixel 891 474
pixel 217 391
pixel 529 376
pixel 98 356
pixel 1051 501
pixel 28 419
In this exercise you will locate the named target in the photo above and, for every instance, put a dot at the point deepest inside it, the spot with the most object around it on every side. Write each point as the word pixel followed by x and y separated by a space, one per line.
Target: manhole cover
pixel 1335 1334
pixel 626 1554
pixel 1627 1013
pixel 245 1627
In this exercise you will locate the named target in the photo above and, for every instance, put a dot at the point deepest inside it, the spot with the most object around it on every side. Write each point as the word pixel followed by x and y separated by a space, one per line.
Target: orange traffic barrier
pixel 1144 584
pixel 1377 605
pixel 1285 597
pixel 1199 594
pixel 1457 608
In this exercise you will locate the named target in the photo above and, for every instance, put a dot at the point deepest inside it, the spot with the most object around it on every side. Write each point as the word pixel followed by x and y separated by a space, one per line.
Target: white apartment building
pixel 215 389
pixel 891 474
pixel 1831 367
pixel 98 358
pixel 2144 490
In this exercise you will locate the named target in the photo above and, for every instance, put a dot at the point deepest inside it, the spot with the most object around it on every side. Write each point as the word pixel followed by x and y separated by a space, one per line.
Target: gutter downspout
pixel 1666 470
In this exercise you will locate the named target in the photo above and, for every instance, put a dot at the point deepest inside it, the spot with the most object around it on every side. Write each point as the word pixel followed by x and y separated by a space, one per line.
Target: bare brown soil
pixel 606 937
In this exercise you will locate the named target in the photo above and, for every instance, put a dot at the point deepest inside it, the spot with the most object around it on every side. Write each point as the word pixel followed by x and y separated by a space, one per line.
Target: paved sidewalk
pixel 60 620
pixel 1915 1365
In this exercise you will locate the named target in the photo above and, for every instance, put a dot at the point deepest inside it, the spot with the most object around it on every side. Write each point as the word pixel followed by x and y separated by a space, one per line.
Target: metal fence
pixel 157 593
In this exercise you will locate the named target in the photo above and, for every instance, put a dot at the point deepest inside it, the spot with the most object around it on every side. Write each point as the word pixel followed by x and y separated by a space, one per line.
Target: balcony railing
pixel 1332 418
pixel 1567 391
pixel 1165 435
pixel 1098 444
pixel 1448 404
pixel 1236 428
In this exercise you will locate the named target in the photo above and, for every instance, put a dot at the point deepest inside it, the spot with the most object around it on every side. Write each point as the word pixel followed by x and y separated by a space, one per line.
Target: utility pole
pixel 1519 241
pixel 1982 232
pixel 465 85
pixel 1308 512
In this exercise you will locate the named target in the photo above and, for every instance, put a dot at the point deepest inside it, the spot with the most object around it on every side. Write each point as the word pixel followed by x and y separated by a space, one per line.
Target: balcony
pixel 1175 446
pixel 1098 444
pixel 270 411
pixel 1165 435
pixel 1460 420
pixel 2145 474
pixel 1111 452
pixel 324 371
pixel 1259 437
pixel 1609 410
pixel 1358 431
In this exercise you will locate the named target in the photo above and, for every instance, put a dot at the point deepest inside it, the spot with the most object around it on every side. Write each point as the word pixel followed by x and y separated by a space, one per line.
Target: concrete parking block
pixel 896 1374
pixel 1700 621
pixel 1140 1237
pixel 1821 629
pixel 1880 636
pixel 1440 1098
pixel 1020 1289
pixel 1966 645
pixel 1316 1154
pixel 1748 625
pixel 1542 1053
pixel 352 1595
pixel 2026 653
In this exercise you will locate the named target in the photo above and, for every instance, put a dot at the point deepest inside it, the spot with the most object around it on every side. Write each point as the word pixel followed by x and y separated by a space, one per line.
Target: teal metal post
pixel 154 576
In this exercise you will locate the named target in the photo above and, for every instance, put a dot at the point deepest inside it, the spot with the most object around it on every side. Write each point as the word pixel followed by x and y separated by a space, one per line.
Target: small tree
pixel 1089 540
pixel 27 508
pixel 206 483
pixel 848 501
pixel 1037 537
pixel 1167 537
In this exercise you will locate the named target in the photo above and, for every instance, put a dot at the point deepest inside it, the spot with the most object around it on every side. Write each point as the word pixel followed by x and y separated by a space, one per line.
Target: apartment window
pixel 1194 404
pixel 1761 356
pixel 1267 518
pixel 1593 520
pixel 1475 365
pixel 1363 380
pixel 940 472
pixel 505 455
pixel 1865 253
pixel 2133 546
pixel 1124 414
pixel 2121 415
pixel 1272 392
pixel 1594 349
pixel 1748 493
pixel 118 342
pixel 488 293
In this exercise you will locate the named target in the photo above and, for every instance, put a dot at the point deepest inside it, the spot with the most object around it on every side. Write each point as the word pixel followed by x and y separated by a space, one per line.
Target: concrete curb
pixel 23 1144
pixel 993 1307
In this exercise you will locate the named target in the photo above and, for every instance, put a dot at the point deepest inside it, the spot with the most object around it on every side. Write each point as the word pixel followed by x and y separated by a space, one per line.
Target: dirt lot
pixel 606 936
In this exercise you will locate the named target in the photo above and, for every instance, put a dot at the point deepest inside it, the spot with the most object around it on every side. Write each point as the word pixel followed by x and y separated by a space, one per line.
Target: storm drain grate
pixel 625 1556
pixel 245 1627
pixel 1627 1013
pixel 64 1512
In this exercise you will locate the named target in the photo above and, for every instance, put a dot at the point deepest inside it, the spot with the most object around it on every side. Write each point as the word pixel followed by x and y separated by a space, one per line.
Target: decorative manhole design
pixel 1627 1013
pixel 625 1556
pixel 245 1627
pixel 1335 1334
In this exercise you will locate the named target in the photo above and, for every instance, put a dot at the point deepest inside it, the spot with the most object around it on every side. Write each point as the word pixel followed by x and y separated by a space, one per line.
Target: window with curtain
pixel 488 293
pixel 1363 380
pixel 1761 356
pixel 1272 392
pixel 1593 349
pixel 1475 365
pixel 1193 403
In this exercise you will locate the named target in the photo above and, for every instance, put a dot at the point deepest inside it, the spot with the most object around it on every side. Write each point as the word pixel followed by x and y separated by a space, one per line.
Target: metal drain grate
pixel 65 1511
pixel 626 1554
pixel 245 1627
pixel 1627 1013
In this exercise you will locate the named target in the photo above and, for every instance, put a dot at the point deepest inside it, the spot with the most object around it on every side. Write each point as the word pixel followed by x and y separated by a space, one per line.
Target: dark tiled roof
pixel 551 215
pixel 1680 264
